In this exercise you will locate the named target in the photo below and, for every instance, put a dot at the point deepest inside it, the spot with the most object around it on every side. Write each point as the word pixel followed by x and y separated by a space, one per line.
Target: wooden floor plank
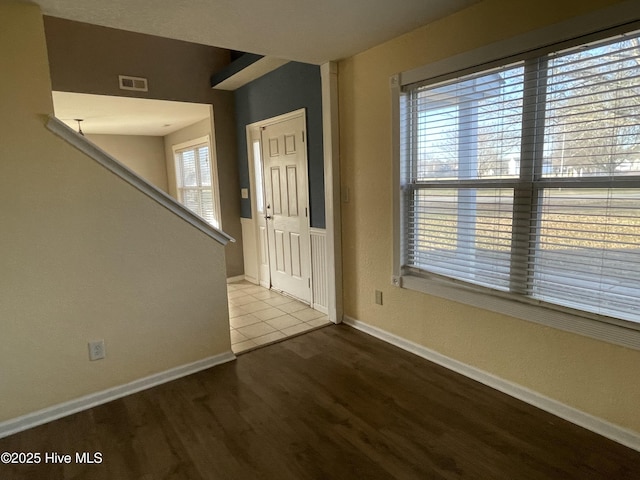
pixel 330 404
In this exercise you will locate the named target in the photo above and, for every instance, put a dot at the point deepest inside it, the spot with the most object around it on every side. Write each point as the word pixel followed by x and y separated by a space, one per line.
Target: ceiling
pixel 124 115
pixel 311 31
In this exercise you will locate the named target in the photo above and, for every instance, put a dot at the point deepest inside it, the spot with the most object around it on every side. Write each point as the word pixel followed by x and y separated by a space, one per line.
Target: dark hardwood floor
pixel 331 404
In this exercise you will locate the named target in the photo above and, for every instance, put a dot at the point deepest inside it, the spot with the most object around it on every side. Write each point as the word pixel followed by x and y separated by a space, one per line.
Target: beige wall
pixel 595 377
pixel 80 252
pixel 227 182
pixel 143 154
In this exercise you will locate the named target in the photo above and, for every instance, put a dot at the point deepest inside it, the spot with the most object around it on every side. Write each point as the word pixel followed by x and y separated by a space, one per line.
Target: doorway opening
pixel 283 252
pixel 168 144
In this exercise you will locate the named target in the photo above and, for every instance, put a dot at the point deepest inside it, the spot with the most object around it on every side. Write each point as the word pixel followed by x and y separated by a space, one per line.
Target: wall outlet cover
pixel 96 350
pixel 378 297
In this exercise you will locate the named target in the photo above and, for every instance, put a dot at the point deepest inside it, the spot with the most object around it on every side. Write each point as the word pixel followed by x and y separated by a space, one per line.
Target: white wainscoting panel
pixel 319 269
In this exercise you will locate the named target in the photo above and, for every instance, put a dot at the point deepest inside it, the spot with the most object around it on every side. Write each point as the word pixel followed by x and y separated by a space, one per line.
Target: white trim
pixel 249 74
pixel 111 164
pixel 597 425
pixel 86 402
pixel 396 201
pixel 280 118
pixel 319 294
pixel 331 148
pixel 237 278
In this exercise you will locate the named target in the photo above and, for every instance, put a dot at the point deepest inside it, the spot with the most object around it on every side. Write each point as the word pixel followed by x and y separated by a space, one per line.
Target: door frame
pixel 253 133
pixel 332 197
pixel 332 189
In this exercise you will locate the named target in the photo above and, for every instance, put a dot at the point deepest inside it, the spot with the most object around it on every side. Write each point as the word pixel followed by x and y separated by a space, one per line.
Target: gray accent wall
pixel 290 87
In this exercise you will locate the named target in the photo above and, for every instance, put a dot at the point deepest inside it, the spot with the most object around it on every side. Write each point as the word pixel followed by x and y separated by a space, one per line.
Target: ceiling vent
pixel 137 84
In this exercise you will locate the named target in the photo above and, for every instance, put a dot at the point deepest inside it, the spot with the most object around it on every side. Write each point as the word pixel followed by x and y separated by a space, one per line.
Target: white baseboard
pixel 320 308
pixel 30 420
pixel 609 430
pixel 237 278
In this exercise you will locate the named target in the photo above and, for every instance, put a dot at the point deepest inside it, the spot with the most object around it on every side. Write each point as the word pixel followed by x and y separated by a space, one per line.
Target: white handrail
pixel 103 158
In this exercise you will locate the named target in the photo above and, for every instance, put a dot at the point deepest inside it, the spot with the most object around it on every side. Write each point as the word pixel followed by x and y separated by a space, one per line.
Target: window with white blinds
pixel 525 179
pixel 194 181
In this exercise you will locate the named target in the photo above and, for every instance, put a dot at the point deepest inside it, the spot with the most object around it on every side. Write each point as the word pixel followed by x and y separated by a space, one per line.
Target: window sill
pixel 618 334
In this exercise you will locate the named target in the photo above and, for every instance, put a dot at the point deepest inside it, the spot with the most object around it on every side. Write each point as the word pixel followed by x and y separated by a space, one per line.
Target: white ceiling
pixel 126 116
pixel 311 31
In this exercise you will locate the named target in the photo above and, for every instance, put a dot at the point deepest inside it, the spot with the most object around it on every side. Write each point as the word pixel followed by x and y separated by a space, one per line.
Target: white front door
pixel 287 211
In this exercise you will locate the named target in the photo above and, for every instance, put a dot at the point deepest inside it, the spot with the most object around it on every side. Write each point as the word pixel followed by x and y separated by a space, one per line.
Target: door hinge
pixel 306 212
pixel 309 282
pixel 302 136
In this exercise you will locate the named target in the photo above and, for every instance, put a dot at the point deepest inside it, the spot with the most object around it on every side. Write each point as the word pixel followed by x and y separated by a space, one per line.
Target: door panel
pixel 289 144
pixel 292 190
pixel 285 186
pixel 296 261
pixel 279 251
pixel 276 192
pixel 273 147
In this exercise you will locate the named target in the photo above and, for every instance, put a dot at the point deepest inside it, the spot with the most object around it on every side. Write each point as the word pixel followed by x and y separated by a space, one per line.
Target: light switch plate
pixel 378 297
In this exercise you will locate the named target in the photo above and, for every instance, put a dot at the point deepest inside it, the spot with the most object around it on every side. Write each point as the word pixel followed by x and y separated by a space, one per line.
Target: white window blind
pixel 194 181
pixel 525 179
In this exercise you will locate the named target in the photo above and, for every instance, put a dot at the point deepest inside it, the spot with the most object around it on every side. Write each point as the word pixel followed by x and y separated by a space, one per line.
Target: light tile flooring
pixel 259 316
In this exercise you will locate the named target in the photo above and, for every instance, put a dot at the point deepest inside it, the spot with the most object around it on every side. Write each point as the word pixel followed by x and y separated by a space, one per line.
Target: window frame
pixel 527 48
pixel 192 145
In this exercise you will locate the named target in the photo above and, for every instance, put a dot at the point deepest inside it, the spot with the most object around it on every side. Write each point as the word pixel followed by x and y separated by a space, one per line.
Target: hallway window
pixel 195 180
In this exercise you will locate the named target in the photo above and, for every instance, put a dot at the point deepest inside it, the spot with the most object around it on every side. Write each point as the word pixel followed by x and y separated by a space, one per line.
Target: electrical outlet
pixel 378 297
pixel 96 350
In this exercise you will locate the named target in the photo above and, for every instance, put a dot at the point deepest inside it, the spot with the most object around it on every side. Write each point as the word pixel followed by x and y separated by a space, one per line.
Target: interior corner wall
pixel 88 58
pixel 290 87
pixel 79 256
pixel 141 153
pixel 591 376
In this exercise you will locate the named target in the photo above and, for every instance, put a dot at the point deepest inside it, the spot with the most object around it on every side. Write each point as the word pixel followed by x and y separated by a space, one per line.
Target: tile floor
pixel 259 316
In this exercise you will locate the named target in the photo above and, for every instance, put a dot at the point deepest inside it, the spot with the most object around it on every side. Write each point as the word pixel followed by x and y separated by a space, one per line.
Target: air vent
pixel 138 84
